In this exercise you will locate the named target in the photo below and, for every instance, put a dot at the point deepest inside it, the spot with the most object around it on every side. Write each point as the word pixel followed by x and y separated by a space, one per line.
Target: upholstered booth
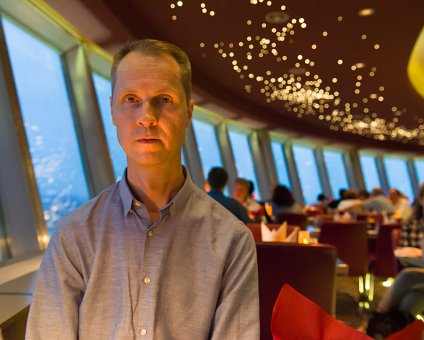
pixel 300 220
pixel 310 269
pixel 383 261
pixel 351 241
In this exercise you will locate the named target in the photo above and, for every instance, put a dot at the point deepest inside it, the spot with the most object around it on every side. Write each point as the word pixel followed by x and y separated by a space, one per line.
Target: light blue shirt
pixel 109 273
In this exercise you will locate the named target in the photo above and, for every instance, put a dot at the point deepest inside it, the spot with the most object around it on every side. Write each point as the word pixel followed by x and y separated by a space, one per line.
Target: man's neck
pixel 155 186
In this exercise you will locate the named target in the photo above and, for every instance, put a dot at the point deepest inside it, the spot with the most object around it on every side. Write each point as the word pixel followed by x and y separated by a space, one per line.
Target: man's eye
pixel 165 100
pixel 130 99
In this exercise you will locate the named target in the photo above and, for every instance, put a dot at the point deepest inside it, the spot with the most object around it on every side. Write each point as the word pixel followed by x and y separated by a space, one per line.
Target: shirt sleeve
pixel 58 293
pixel 237 311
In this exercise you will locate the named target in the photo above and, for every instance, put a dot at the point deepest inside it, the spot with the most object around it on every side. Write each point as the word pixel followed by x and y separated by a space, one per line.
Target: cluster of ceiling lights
pixel 300 89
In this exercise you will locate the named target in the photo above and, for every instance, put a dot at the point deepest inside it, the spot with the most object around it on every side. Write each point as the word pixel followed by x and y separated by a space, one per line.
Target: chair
pixel 296 219
pixel 310 269
pixel 255 228
pixel 384 262
pixel 351 241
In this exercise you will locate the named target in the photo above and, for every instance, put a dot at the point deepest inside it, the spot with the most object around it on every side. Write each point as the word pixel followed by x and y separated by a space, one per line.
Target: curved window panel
pixel 117 155
pixel 369 172
pixel 243 158
pixel 207 145
pixel 336 170
pixel 280 163
pixel 4 254
pixel 419 168
pixel 48 122
pixel 398 176
pixel 308 173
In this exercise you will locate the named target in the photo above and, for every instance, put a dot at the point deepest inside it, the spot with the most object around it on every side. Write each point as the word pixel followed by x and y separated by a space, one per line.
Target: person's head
pixel 150 103
pixel 376 192
pixel 350 194
pixel 157 49
pixel 251 187
pixel 421 194
pixel 342 193
pixel 217 178
pixel 241 190
pixel 321 198
pixel 282 196
pixel 394 195
pixel 363 194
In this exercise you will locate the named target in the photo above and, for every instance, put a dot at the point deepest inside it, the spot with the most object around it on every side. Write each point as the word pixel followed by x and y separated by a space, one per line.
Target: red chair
pixel 384 262
pixel 310 269
pixel 351 241
pixel 255 228
pixel 300 220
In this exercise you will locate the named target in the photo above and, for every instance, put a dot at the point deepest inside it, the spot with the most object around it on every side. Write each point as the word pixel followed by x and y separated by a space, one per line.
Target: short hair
pixel 243 182
pixel 156 48
pixel 251 187
pixel 282 196
pixel 217 178
pixel 377 192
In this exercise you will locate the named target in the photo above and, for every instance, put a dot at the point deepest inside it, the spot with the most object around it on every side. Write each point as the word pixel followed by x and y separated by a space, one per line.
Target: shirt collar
pixel 175 204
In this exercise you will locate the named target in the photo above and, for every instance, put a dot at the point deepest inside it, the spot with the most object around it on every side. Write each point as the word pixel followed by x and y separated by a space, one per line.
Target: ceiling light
pixel 366 12
pixel 360 65
pixel 276 18
pixel 297 70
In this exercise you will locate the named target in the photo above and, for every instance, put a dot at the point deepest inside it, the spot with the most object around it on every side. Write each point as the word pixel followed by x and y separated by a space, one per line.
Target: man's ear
pixel 111 110
pixel 190 111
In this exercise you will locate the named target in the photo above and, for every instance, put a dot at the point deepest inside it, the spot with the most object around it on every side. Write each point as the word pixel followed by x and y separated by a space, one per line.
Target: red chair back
pixel 299 220
pixel 351 241
pixel 385 263
pixel 310 269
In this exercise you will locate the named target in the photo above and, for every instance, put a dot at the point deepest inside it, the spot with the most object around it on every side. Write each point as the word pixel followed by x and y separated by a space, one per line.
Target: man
pixel 217 179
pixel 243 193
pixel 378 202
pixel 403 210
pixel 151 257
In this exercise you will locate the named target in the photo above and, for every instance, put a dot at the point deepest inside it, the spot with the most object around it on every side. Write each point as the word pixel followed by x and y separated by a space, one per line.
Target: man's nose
pixel 146 114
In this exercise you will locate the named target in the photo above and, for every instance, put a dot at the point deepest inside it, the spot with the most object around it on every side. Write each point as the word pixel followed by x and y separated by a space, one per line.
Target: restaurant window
pixel 4 254
pixel 117 155
pixel 243 158
pixel 398 175
pixel 207 145
pixel 369 172
pixel 336 170
pixel 308 173
pixel 419 168
pixel 280 163
pixel 49 127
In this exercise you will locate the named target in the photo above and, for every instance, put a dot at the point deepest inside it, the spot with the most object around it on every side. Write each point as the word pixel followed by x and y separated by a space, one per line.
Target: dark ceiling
pixel 314 67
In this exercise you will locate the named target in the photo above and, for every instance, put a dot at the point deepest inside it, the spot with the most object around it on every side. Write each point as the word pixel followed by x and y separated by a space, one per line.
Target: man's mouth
pixel 148 140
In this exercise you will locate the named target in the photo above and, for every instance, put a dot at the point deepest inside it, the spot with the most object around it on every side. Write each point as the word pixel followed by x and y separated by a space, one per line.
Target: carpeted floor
pixel 347 302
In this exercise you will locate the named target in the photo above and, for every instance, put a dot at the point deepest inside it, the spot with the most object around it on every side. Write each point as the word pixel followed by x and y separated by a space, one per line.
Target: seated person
pixel 283 201
pixel 378 202
pixel 403 211
pixel 217 179
pixel 334 203
pixel 243 193
pixel 406 294
pixel 350 203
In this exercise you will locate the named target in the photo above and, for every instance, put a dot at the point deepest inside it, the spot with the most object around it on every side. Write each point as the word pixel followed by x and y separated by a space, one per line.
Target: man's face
pixel 149 109
pixel 240 192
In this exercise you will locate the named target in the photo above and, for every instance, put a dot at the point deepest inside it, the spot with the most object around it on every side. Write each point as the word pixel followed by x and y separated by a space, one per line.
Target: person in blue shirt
pixel 217 179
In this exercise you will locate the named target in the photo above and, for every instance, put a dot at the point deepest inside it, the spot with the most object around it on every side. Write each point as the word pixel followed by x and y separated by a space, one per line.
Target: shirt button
pixel 150 233
pixel 137 204
pixel 147 280
pixel 143 332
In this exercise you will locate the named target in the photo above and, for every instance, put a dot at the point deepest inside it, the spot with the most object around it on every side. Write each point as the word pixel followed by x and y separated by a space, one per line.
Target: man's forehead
pixel 140 58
